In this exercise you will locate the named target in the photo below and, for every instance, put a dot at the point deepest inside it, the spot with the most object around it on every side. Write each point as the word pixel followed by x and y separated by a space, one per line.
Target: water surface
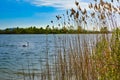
pixel 23 52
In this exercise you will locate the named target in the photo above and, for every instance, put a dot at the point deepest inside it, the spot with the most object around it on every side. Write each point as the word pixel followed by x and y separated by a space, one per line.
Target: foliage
pixel 47 30
pixel 104 29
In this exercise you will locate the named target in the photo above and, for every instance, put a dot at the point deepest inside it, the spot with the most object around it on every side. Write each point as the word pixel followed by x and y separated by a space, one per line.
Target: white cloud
pixel 60 4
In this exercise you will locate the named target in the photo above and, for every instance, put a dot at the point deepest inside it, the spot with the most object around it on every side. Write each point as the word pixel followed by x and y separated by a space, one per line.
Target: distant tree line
pixel 48 30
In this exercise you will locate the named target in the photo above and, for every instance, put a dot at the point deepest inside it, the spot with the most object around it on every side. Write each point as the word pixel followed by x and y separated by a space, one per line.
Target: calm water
pixel 18 52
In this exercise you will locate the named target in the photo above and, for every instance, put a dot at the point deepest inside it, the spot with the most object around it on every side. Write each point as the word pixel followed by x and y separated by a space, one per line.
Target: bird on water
pixel 26 45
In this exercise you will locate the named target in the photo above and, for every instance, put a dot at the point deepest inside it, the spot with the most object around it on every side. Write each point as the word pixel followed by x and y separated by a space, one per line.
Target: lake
pixel 28 52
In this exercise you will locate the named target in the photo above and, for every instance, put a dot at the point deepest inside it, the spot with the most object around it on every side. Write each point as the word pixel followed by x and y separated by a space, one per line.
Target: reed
pixel 77 60
pixel 80 58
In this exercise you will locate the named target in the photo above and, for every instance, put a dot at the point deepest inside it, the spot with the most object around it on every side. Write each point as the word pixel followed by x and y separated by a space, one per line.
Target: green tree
pixel 104 29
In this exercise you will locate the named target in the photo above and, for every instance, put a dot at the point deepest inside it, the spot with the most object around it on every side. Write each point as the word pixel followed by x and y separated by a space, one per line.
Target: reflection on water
pixel 17 58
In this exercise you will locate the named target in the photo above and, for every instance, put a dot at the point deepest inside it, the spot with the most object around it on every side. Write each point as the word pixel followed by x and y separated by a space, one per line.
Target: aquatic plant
pixel 78 58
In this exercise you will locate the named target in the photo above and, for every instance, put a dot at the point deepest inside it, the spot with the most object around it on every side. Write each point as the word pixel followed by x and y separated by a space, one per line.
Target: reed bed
pixel 80 58
pixel 76 59
pixel 81 62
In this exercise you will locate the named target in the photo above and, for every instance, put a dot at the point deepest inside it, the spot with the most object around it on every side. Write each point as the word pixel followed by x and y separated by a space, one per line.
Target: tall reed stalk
pixel 80 58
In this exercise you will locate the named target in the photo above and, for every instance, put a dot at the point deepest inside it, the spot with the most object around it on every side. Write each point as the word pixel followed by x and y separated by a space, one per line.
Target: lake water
pixel 20 52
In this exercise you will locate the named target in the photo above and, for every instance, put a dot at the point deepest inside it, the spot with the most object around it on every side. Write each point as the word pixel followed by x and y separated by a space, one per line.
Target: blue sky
pixel 25 13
